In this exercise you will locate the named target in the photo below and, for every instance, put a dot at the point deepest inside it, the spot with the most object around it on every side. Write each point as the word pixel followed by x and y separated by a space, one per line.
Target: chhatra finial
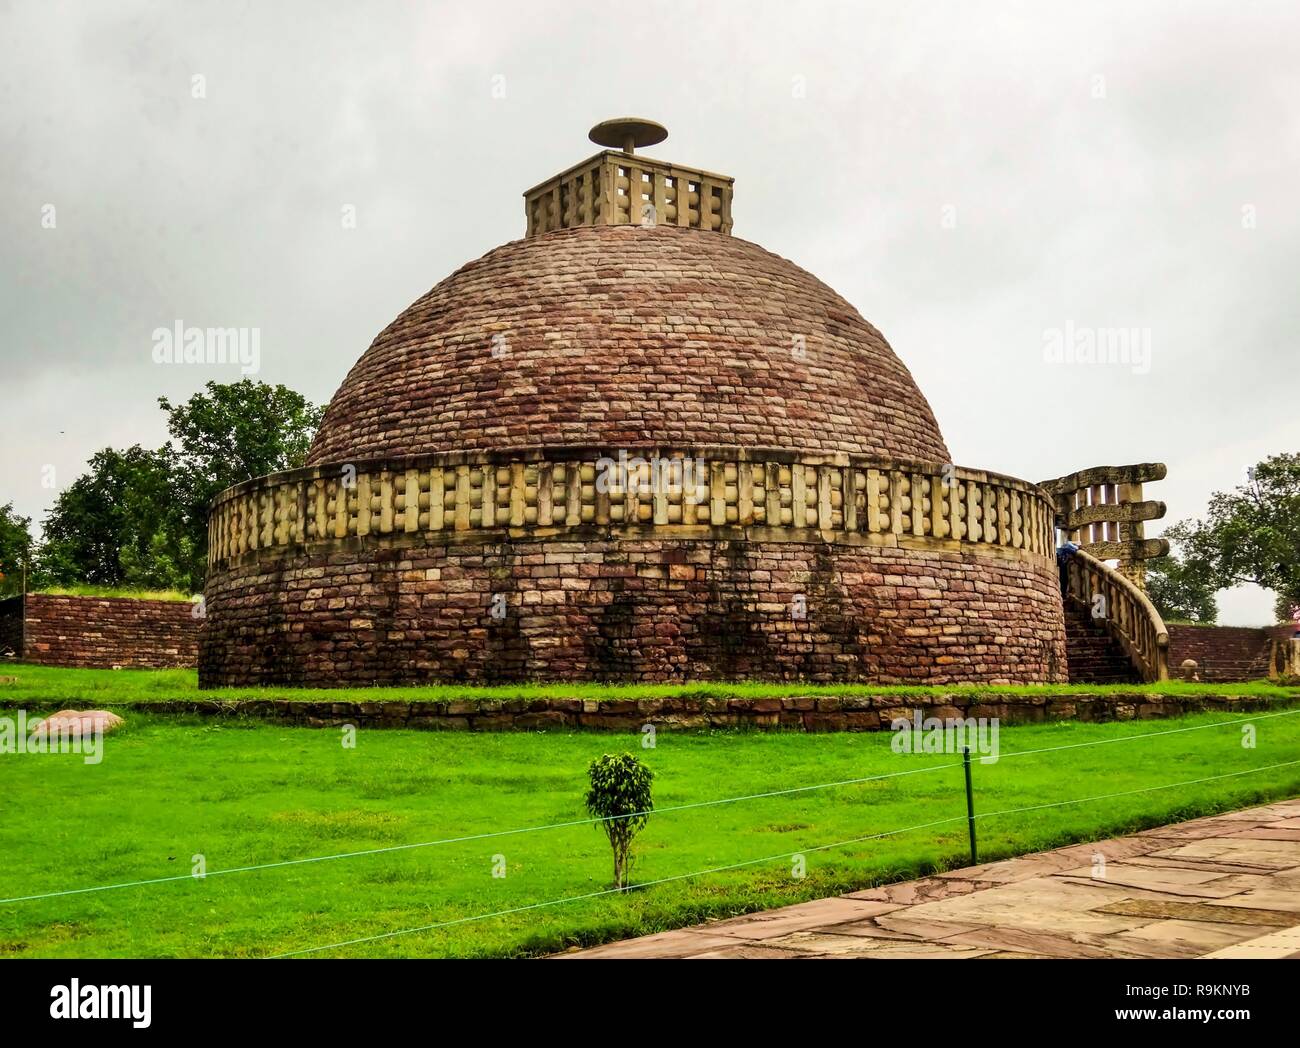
pixel 627 133
pixel 615 188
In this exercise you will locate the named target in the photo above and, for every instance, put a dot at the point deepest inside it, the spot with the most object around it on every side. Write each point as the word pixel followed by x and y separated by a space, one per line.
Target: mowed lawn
pixel 243 793
pixel 46 685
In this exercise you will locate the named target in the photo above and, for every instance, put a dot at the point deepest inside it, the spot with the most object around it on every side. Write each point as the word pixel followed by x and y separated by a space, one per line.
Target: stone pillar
pixel 1285 662
pixel 1132 531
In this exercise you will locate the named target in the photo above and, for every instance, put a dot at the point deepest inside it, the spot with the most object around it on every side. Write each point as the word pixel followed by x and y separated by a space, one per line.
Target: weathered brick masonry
pixel 103 632
pixel 812 713
pixel 1225 653
pixel 626 336
pixel 634 610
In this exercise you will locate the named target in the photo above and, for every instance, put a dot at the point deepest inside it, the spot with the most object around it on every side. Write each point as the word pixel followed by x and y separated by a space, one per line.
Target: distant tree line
pixel 138 519
pixel 1250 534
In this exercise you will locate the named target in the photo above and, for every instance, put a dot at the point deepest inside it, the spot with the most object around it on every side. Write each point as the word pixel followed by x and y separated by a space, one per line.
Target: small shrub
pixel 620 798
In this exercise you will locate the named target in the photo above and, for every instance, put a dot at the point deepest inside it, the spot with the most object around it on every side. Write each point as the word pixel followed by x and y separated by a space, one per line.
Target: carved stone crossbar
pixel 710 492
pixel 612 189
pixel 1102 510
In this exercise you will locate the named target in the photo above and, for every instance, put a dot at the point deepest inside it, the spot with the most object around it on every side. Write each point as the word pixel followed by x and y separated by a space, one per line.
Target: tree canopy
pixel 15 541
pixel 106 519
pixel 1182 591
pixel 226 435
pixel 1251 534
pixel 139 517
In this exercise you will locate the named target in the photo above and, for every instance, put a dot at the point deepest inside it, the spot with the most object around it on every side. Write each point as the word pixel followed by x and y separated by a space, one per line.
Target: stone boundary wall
pixel 103 632
pixel 1225 653
pixel 796 713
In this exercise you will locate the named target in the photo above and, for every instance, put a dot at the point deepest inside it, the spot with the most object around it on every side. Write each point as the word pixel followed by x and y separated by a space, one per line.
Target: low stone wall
pixel 1225 653
pixel 797 713
pixel 103 632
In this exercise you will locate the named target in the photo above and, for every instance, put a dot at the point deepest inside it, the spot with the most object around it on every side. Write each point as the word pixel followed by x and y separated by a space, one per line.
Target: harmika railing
pixel 613 189
pixel 1125 611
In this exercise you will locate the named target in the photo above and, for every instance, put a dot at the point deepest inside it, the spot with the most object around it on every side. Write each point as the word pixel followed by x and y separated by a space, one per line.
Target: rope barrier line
pixel 766 858
pixel 613 891
pixel 1130 793
pixel 588 822
pixel 472 837
pixel 1243 719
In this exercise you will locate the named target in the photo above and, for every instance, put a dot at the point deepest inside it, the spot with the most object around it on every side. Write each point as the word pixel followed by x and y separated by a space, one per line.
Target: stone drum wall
pixel 509 567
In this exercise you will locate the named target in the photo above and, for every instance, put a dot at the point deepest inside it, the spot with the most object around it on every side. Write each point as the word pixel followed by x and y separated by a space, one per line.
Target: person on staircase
pixel 1063 555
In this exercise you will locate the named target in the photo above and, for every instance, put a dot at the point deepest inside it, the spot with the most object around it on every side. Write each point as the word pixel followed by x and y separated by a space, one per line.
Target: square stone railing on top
pixel 613 189
pixel 764 494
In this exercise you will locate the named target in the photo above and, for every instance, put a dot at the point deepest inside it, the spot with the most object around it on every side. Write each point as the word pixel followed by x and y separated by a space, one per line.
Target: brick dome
pixel 631 447
pixel 628 336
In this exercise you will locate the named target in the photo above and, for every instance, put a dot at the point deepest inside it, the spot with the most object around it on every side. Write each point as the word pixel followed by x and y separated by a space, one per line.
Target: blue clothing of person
pixel 1063 555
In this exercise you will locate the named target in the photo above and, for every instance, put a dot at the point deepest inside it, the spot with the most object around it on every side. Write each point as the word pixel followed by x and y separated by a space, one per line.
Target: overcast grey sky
pixel 971 176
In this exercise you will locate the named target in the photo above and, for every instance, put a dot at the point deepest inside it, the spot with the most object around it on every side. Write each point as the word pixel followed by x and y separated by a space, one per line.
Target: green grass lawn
pixel 53 685
pixel 245 793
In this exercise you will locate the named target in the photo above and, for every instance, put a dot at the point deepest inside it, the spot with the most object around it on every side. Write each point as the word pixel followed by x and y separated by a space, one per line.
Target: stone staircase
pixel 1092 654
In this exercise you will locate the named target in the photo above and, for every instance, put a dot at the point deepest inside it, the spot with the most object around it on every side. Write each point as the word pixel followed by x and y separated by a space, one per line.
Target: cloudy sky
pixel 975 177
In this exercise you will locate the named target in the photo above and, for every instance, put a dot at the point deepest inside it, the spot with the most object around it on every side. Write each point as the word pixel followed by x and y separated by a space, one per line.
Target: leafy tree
pixel 1252 534
pixel 139 518
pixel 228 434
pixel 620 798
pixel 162 560
pixel 1182 590
pixel 15 544
pixel 106 520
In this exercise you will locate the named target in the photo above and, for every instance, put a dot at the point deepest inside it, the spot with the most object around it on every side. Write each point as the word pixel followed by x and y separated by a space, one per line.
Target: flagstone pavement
pixel 1223 886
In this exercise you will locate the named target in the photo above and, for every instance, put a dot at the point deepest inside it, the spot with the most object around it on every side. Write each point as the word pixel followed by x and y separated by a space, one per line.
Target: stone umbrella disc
pixel 627 130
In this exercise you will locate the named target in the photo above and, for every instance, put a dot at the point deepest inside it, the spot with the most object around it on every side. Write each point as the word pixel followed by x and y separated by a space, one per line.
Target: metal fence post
pixel 970 805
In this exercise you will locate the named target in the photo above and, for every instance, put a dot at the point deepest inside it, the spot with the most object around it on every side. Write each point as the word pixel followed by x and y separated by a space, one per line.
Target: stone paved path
pixel 1224 886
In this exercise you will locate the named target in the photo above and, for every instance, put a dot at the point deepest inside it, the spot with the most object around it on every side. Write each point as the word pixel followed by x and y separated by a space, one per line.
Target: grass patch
pixel 115 591
pixel 48 684
pixel 245 792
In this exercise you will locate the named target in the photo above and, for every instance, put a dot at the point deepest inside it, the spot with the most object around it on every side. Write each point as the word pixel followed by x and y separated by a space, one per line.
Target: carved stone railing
pixel 702 492
pixel 612 189
pixel 1102 510
pixel 1125 611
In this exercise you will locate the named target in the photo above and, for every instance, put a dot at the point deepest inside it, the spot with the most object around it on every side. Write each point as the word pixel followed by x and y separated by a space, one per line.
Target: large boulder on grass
pixel 78 723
